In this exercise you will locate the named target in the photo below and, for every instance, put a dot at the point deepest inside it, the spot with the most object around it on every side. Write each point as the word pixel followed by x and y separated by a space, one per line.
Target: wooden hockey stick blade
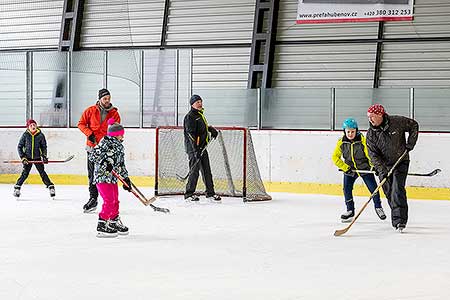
pixel 340 232
pixel 16 161
pixel 150 201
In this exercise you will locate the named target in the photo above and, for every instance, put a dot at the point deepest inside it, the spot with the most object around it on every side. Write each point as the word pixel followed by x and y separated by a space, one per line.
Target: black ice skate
pixel 192 198
pixel 214 198
pixel 51 189
pixel 117 224
pixel 380 213
pixel 16 191
pixel 90 206
pixel 105 230
pixel 347 216
pixel 400 227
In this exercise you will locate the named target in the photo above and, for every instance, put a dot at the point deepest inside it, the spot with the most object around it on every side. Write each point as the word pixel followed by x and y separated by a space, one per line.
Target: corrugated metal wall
pixel 27 24
pixel 327 65
pixel 220 68
pixel 210 22
pixel 110 23
pixel 431 19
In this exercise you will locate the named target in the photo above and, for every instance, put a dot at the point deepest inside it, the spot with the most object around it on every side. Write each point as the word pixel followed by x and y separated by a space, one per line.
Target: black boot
pixel 117 224
pixel 16 191
pixel 51 189
pixel 90 206
pixel 104 229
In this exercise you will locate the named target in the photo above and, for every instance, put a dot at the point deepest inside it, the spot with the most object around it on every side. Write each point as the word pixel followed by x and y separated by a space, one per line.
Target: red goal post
pixel 233 164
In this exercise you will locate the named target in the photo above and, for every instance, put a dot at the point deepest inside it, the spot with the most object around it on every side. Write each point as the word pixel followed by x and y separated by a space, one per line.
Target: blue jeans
pixel 371 183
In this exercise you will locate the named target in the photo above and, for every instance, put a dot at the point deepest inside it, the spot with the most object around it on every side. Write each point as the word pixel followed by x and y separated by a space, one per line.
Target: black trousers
pixel 394 189
pixel 205 168
pixel 93 192
pixel 26 171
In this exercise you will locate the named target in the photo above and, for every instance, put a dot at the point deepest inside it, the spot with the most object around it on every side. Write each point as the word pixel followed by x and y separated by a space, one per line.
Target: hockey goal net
pixel 233 164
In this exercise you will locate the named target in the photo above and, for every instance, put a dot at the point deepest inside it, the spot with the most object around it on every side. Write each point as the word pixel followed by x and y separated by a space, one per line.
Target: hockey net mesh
pixel 228 154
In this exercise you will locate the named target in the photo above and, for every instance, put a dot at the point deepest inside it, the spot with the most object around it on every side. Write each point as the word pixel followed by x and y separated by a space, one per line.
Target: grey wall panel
pixel 415 64
pixel 288 30
pixel 324 65
pixel 220 67
pixel 30 24
pixel 109 23
pixel 431 19
pixel 210 22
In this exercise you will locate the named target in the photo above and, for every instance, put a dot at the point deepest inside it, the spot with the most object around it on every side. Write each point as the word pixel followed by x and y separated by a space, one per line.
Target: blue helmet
pixel 350 123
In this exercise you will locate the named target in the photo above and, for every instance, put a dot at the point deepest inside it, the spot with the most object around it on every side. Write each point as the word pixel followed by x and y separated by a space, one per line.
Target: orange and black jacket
pixel 90 122
pixel 352 154
pixel 32 146
pixel 196 131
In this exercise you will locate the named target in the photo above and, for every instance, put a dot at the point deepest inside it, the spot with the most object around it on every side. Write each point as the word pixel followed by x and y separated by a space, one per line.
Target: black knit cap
pixel 194 98
pixel 102 93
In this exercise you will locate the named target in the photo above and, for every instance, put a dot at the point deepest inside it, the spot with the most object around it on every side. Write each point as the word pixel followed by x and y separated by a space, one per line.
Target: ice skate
pixel 117 224
pixel 380 213
pixel 347 216
pixel 90 206
pixel 400 227
pixel 214 199
pixel 105 229
pixel 51 189
pixel 192 198
pixel 16 191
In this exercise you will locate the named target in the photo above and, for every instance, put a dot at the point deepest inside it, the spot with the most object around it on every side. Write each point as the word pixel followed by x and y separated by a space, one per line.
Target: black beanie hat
pixel 102 93
pixel 194 98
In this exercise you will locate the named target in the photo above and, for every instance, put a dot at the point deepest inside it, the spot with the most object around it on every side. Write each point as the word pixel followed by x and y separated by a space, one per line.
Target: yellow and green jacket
pixel 352 154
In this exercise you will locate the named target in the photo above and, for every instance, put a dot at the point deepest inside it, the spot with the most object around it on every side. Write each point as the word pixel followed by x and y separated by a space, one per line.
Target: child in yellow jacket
pixel 350 155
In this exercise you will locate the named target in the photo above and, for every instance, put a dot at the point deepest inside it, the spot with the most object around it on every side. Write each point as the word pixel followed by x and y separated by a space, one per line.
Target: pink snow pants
pixel 110 195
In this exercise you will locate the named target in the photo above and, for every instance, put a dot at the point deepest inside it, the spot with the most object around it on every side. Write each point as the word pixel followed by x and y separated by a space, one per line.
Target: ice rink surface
pixel 281 249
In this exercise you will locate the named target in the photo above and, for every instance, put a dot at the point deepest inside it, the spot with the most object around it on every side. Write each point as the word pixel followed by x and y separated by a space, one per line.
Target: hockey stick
pixel 183 178
pixel 340 232
pixel 14 161
pixel 432 173
pixel 139 195
pixel 151 200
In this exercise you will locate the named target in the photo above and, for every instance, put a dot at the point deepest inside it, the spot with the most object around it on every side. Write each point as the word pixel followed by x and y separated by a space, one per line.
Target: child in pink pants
pixel 109 154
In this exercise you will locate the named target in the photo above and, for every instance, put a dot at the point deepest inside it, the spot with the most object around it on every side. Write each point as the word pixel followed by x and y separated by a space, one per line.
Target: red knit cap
pixel 377 109
pixel 31 121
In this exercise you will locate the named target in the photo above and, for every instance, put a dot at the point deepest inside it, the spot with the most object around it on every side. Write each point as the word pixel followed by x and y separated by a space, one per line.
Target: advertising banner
pixel 336 11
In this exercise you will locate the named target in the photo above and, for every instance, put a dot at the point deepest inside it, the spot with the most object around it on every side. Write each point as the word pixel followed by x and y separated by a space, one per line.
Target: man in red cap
pixel 386 143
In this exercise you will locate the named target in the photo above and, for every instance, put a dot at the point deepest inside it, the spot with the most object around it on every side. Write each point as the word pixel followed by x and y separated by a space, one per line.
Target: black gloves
pixel 24 161
pixel 350 172
pixel 128 181
pixel 44 159
pixel 409 147
pixel 91 138
pixel 214 132
pixel 109 167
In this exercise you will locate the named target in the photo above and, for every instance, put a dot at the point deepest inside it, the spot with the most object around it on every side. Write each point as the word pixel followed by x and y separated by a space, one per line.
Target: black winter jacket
pixel 387 142
pixel 33 147
pixel 196 131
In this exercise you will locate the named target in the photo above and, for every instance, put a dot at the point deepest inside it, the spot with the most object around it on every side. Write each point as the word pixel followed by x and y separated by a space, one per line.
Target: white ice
pixel 281 249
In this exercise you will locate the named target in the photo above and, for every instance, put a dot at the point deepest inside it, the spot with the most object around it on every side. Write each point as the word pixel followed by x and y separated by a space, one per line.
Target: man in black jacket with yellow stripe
pixel 196 138
pixel 386 143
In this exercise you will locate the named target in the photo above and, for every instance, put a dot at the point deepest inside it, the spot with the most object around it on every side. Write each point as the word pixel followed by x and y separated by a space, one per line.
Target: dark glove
pixel 409 147
pixel 214 132
pixel 109 167
pixel 382 174
pixel 128 181
pixel 24 161
pixel 350 172
pixel 91 138
pixel 44 159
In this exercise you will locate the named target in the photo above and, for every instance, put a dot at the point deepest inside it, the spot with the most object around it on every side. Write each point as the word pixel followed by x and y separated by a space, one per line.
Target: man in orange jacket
pixel 94 124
